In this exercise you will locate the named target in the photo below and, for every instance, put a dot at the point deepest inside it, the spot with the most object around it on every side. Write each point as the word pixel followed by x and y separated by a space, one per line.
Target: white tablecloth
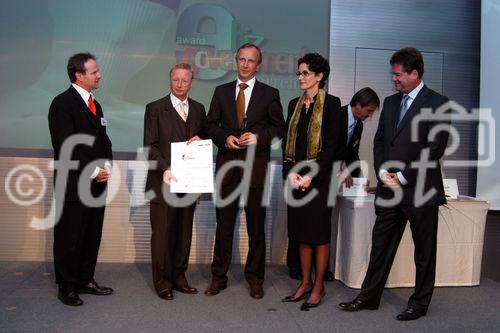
pixel 459 249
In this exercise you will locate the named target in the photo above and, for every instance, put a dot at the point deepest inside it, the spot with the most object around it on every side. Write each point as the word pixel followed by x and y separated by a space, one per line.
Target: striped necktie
pixel 403 108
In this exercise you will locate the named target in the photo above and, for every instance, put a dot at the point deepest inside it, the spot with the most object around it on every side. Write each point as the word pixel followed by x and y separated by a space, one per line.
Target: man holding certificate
pixel 173 118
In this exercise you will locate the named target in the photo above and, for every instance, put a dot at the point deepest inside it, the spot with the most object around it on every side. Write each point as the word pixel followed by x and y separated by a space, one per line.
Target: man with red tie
pixel 77 234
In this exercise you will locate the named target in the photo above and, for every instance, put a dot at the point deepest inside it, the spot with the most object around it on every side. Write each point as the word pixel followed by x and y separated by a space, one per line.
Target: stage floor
pixel 28 303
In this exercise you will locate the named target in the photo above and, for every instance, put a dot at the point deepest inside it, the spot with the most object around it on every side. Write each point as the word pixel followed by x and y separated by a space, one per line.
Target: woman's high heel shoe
pixel 306 306
pixel 292 298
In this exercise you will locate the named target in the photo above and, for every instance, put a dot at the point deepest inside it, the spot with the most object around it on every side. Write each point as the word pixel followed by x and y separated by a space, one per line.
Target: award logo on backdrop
pixel 208 36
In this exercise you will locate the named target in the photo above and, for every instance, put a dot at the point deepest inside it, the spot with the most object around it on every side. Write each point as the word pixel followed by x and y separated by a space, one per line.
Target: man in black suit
pixel 173 118
pixel 362 106
pixel 243 113
pixel 77 234
pixel 400 178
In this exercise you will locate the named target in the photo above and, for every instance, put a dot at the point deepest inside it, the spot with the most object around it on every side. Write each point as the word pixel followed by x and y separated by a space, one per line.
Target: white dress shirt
pixel 412 95
pixel 351 123
pixel 247 91
pixel 176 102
pixel 85 96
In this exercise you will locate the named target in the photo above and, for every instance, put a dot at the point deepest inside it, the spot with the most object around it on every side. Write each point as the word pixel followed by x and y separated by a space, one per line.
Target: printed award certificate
pixel 193 167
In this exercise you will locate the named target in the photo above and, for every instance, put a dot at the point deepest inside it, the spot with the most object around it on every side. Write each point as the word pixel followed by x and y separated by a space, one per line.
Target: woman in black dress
pixel 316 136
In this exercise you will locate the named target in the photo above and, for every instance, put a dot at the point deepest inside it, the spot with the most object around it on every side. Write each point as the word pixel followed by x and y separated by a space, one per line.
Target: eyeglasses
pixel 306 74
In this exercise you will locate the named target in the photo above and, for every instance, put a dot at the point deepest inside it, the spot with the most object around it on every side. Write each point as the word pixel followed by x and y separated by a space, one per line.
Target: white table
pixel 459 249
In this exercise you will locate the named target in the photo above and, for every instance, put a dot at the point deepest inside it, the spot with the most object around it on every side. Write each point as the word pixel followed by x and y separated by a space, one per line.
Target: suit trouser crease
pixel 386 236
pixel 170 244
pixel 226 220
pixel 77 237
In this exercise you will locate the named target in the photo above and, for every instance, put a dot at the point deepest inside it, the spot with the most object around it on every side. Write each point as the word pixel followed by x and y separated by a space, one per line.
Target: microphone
pixel 243 124
pixel 243 127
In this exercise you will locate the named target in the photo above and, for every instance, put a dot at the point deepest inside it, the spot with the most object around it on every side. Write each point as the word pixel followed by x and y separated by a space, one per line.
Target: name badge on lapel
pixel 104 122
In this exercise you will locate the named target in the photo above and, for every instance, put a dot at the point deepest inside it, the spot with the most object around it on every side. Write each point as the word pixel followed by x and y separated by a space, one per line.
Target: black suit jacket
pixel 393 143
pixel 162 126
pixel 69 115
pixel 333 138
pixel 264 118
pixel 352 149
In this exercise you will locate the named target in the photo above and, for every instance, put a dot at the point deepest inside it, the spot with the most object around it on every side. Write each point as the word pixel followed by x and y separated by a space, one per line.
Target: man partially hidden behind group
pixel 393 142
pixel 77 234
pixel 362 106
pixel 243 113
pixel 173 118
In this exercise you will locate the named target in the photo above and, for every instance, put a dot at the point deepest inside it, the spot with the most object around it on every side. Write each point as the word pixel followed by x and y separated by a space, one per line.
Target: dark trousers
pixel 223 249
pixel 171 235
pixel 77 237
pixel 387 232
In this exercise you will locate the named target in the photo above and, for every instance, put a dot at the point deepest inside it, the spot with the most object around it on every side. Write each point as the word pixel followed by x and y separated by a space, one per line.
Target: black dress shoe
pixel 410 314
pixel 256 291
pixel 166 294
pixel 187 289
pixel 306 305
pixel 329 276
pixel 292 298
pixel 357 305
pixel 69 298
pixel 94 289
pixel 215 288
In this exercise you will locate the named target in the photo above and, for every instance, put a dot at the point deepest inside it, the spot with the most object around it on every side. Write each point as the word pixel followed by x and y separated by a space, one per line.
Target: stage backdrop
pixel 488 177
pixel 363 36
pixel 136 43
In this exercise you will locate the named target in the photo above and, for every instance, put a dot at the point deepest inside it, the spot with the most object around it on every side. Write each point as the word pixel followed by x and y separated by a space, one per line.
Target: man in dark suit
pixel 362 106
pixel 243 113
pixel 173 118
pixel 400 178
pixel 77 234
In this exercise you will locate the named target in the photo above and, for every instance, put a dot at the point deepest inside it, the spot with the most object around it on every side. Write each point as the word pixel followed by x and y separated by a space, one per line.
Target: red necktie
pixel 92 105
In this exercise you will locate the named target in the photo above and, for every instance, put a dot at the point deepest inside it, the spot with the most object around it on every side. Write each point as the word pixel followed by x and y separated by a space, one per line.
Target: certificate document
pixel 356 190
pixel 193 167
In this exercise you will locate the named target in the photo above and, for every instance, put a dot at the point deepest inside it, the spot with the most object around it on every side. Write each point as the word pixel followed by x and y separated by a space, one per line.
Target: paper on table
pixel 356 190
pixel 450 188
pixel 193 167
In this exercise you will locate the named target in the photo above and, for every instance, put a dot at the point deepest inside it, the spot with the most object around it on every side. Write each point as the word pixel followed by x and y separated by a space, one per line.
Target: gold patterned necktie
pixel 182 111
pixel 240 104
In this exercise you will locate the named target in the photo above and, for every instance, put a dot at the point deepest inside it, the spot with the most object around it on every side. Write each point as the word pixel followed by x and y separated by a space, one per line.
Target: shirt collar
pixel 250 82
pixel 175 101
pixel 413 94
pixel 84 93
